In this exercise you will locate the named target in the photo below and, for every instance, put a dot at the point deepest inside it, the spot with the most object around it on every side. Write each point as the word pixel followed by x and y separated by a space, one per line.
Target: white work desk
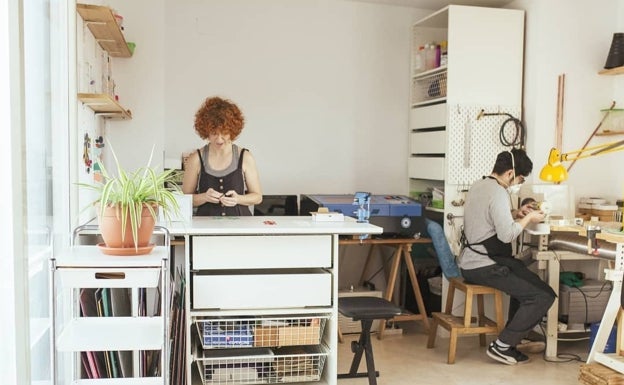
pixel 259 268
pixel 549 260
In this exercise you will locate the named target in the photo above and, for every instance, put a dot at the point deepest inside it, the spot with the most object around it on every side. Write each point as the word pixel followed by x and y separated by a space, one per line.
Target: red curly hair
pixel 217 115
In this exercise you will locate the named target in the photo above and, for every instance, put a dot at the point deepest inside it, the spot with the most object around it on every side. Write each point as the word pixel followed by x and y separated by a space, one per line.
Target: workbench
pixel 549 261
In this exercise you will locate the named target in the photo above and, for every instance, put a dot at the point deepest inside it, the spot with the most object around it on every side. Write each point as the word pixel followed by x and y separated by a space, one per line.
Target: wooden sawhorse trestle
pixel 402 252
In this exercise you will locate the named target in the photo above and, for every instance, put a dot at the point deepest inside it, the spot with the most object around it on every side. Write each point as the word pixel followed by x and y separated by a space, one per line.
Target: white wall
pixel 140 84
pixel 572 40
pixel 322 83
pixel 323 86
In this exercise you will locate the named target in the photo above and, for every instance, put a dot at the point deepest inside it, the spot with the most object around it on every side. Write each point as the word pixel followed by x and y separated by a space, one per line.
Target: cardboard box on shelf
pixel 288 335
pixel 266 336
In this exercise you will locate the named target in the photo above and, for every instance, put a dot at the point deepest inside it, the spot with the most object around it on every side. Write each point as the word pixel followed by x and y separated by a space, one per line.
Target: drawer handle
pixel 119 275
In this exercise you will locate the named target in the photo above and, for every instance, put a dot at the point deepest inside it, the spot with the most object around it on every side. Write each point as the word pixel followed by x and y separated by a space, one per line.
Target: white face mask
pixel 514 189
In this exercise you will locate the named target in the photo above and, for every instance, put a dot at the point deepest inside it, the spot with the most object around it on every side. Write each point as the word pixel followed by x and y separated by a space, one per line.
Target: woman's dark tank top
pixel 231 178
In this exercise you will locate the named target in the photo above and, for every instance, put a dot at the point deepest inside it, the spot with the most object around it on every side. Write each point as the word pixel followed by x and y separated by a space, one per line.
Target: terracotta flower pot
pixel 110 227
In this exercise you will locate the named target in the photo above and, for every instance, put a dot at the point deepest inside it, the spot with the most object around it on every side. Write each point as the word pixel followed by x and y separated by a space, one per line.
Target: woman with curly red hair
pixel 221 175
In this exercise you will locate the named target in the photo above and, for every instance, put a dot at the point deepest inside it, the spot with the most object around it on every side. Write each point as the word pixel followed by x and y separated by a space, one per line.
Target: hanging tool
pixel 467 141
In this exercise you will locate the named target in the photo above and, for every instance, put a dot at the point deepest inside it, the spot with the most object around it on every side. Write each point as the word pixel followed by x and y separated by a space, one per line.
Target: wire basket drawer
pixel 261 332
pixel 290 331
pixel 226 333
pixel 263 365
pixel 429 88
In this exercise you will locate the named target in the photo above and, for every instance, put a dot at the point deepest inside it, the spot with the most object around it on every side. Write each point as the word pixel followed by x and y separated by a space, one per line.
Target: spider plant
pixel 129 192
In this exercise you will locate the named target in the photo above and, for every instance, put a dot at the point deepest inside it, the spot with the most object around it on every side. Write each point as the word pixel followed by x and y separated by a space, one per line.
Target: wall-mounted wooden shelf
pixel 613 71
pixel 101 22
pixel 104 105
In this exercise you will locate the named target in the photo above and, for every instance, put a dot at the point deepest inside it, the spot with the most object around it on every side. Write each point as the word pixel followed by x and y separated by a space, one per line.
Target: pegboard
pixel 473 144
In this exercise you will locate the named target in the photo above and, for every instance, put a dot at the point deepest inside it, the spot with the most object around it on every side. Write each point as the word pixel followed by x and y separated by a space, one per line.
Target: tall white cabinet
pixel 450 146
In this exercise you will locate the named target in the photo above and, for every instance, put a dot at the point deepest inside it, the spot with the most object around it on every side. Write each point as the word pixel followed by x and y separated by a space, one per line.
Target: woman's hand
pixel 229 199
pixel 213 196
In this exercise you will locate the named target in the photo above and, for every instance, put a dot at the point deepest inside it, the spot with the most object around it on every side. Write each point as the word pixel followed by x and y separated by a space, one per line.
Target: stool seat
pixel 372 308
pixel 365 310
pixel 467 324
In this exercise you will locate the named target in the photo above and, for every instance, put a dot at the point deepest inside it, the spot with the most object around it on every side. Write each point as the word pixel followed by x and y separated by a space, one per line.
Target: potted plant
pixel 128 203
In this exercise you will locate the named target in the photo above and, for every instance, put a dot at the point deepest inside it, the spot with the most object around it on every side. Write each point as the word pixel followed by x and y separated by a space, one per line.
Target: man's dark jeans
pixel 530 296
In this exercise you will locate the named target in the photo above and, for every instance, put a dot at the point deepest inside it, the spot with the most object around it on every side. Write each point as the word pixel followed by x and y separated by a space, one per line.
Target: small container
pixel 605 213
pixel 585 208
pixel 444 53
pixel 614 122
pixel 593 200
pixel 419 60
pixel 131 46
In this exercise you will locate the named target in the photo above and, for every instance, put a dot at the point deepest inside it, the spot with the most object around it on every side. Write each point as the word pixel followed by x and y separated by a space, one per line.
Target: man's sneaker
pixel 509 356
pixel 527 346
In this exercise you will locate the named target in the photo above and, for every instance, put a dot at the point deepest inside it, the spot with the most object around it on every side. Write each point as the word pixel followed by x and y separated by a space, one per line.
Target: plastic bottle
pixel 438 53
pixel 430 56
pixel 419 60
pixel 444 53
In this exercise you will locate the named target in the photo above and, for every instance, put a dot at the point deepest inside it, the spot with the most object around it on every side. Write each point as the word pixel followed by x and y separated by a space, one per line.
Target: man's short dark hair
pixel 520 161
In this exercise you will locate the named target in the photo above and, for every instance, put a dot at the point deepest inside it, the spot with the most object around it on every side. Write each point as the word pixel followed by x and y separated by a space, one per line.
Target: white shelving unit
pixel 261 299
pixel 449 148
pixel 271 286
pixel 483 71
pixel 86 267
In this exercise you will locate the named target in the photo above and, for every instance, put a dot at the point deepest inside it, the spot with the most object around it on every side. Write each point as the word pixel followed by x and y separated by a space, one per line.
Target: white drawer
pixel 261 252
pixel 426 168
pixel 107 277
pixel 428 116
pixel 256 291
pixel 428 142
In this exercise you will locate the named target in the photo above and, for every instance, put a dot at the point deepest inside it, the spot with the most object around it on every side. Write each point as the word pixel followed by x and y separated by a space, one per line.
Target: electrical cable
pixel 586 296
pixel 561 357
pixel 519 136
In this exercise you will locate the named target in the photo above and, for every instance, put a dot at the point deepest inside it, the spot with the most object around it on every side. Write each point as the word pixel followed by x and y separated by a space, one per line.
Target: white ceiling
pixel 439 4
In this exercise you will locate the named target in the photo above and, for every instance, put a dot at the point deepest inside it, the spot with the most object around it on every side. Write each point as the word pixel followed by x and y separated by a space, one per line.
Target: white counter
pixel 269 225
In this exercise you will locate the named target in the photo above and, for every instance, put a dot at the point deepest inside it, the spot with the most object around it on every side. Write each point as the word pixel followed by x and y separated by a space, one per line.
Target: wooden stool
pixel 467 324
pixel 365 310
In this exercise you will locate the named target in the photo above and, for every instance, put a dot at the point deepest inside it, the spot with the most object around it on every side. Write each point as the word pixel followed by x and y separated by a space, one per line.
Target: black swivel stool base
pixel 365 310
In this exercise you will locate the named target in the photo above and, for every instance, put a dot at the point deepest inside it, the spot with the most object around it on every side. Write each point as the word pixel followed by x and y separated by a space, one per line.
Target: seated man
pixel 486 259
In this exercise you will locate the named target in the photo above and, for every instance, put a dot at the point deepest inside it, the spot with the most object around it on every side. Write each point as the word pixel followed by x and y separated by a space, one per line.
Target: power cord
pixel 586 296
pixel 561 357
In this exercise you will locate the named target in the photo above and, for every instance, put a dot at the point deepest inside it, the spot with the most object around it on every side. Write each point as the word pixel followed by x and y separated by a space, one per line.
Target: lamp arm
pixel 587 152
pixel 554 171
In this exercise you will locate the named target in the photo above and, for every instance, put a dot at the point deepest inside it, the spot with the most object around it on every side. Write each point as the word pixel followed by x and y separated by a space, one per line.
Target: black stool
pixel 365 310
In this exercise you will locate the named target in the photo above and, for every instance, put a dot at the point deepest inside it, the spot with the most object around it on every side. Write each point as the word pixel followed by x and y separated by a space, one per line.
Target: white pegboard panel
pixel 473 144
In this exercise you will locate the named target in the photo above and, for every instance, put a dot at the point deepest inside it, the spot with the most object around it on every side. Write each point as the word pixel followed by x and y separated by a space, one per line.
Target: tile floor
pixel 404 359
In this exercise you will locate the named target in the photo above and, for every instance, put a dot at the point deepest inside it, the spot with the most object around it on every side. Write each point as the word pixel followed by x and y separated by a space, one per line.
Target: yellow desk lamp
pixel 554 171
